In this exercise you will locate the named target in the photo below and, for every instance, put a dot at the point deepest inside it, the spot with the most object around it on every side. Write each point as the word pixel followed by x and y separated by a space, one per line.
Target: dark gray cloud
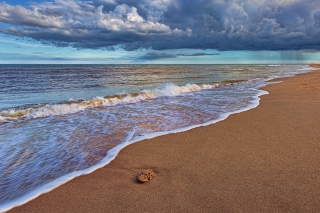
pixel 168 24
pixel 156 55
pixel 39 53
pixel 198 54
pixel 317 19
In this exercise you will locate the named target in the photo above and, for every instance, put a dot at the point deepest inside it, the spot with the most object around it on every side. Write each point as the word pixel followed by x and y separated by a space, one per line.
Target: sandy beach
pixel 262 160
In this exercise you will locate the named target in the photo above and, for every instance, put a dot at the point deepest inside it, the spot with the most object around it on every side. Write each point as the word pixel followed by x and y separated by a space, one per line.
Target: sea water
pixel 61 121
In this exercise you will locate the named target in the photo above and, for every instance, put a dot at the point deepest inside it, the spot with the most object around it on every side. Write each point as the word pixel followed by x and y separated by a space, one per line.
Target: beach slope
pixel 262 160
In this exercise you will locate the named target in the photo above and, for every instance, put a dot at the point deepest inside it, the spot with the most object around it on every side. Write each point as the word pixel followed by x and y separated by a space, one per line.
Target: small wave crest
pixel 74 106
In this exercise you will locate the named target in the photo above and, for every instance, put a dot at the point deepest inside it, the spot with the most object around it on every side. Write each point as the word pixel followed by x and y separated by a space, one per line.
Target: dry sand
pixel 264 160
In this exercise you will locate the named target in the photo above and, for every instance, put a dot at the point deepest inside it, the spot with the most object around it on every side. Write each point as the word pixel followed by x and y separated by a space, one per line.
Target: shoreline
pixel 174 172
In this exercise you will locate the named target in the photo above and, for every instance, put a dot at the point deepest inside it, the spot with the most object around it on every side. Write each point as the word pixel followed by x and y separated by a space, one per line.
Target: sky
pixel 160 31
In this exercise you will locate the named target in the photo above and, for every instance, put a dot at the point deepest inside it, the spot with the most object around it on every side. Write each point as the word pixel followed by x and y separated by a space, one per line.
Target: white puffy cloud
pixel 19 15
pixel 125 18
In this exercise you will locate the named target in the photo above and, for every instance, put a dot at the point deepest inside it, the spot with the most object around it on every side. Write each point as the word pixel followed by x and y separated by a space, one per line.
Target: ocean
pixel 58 122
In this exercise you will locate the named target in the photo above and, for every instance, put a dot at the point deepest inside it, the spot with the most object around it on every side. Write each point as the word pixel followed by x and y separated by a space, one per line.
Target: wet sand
pixel 263 160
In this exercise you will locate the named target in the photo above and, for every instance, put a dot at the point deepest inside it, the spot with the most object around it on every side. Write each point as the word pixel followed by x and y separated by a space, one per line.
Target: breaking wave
pixel 73 106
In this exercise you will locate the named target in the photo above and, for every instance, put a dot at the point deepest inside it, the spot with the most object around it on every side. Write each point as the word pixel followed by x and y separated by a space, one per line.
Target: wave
pixel 74 106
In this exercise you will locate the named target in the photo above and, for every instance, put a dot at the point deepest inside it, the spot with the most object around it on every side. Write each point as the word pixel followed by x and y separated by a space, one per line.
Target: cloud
pixel 156 55
pixel 198 54
pixel 167 24
pixel 39 56
pixel 163 55
pixel 317 19
pixel 34 56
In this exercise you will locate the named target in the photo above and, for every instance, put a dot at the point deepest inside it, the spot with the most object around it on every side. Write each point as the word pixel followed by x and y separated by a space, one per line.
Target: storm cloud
pixel 167 24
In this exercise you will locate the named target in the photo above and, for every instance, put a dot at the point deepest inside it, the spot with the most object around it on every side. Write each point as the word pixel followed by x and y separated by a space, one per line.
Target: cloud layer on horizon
pixel 164 55
pixel 167 24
